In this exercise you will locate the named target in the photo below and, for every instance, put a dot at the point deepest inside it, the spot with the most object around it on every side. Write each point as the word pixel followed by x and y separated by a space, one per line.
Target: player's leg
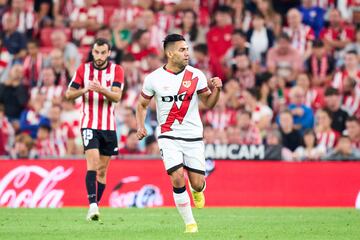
pixel 92 158
pixel 108 147
pixel 173 161
pixel 194 163
pixel 102 168
pixel 92 155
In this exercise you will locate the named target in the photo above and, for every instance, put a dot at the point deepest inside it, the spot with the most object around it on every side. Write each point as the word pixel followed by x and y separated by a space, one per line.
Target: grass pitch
pixel 165 223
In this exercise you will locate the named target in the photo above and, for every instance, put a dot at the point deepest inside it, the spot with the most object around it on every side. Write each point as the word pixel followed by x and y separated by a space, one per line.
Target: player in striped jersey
pixel 100 84
pixel 177 89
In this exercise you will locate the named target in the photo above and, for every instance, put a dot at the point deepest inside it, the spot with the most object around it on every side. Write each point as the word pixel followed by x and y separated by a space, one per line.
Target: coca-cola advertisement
pixel 144 183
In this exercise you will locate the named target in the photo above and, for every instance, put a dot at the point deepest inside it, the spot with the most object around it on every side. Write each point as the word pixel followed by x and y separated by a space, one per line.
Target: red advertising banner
pixel 144 183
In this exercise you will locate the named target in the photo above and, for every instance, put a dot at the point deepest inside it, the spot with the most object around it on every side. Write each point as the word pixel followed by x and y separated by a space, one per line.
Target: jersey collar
pixel 175 73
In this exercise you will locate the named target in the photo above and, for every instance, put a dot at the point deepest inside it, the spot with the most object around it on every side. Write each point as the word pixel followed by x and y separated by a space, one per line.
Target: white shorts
pixel 180 153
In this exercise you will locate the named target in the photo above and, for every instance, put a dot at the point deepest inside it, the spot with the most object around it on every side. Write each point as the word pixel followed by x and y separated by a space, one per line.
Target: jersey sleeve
pixel 77 80
pixel 147 90
pixel 119 77
pixel 202 84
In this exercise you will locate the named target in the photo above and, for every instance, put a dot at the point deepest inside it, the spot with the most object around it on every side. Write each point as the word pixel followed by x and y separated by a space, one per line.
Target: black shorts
pixel 104 140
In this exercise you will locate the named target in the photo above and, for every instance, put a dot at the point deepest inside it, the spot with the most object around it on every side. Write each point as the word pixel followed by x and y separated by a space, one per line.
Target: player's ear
pixel 168 54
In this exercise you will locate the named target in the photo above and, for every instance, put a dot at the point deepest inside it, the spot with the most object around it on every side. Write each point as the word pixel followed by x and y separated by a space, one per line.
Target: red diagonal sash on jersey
pixel 188 85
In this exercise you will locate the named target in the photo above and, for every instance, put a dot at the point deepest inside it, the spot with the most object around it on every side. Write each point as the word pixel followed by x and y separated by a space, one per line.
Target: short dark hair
pixel 353 119
pixel 223 9
pixel 330 91
pixel 239 32
pixel 202 48
pixel 245 112
pixel 100 42
pixel 132 131
pixel 171 38
pixel 284 36
pixel 353 52
pixel 318 44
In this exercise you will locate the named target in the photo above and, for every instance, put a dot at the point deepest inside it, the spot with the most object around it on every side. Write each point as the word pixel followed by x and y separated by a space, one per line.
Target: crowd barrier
pixel 144 183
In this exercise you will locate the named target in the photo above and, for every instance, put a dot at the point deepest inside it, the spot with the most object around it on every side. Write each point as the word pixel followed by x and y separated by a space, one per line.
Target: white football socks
pixel 182 202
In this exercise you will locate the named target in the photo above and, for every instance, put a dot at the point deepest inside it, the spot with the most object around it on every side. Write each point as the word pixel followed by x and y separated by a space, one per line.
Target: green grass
pixel 165 223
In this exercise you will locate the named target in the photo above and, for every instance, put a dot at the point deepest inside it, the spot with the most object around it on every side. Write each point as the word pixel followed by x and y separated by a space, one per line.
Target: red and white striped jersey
pixel 177 103
pixel 5 58
pixel 339 78
pixel 25 21
pixel 59 137
pixel 126 14
pixel 97 110
pixel 314 98
pixel 327 139
pixel 220 119
pixel 250 136
pixel 300 37
pixel 351 104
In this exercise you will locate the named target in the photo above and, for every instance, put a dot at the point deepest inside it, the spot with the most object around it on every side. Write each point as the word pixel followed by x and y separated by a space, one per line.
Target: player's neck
pixel 105 65
pixel 172 68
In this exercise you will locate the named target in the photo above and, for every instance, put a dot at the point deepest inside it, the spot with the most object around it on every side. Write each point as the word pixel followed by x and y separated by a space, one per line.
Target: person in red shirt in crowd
pixel 85 21
pixel 301 35
pixel 201 59
pixel 353 131
pixel 131 144
pixel 314 97
pixel 325 135
pixel 43 144
pixel 351 69
pixel 126 14
pixel 351 97
pixel 219 38
pixel 140 47
pixel 249 132
pixel 34 62
pixel 25 17
pixel 23 147
pixel 57 63
pixel 5 62
pixel 338 34
pixel 243 72
pixel 6 132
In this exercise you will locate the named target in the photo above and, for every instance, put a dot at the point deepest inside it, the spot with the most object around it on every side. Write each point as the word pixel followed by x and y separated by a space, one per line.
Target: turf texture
pixel 165 223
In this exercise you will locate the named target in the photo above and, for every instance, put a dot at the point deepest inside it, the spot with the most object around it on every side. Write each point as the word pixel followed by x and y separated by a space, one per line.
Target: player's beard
pixel 100 63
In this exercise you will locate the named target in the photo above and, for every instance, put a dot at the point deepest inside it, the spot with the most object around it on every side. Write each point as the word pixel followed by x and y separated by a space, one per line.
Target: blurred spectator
pixel 126 14
pixel 62 74
pixel 249 133
pixel 25 17
pixel 351 97
pixel 337 35
pixel 201 59
pixel 320 64
pixel 275 150
pixel 43 144
pixel 166 15
pixel 325 135
pixel 351 69
pixel 70 51
pixel 62 135
pixel 283 6
pixel 151 145
pixel 44 13
pixel 241 16
pixel 333 105
pixel 354 46
pixel 261 115
pixel 314 97
pixel 3 8
pixel 23 147
pixel 301 35
pixel 291 138
pixel 13 40
pixel 147 21
pixel 273 92
pixel 220 116
pixel 13 94
pixel 219 38
pixel 260 39
pixel 5 62
pixel 353 131
pixel 85 21
pixel 238 46
pixel 6 132
pixel 33 64
pixel 140 47
pixel 312 15
pixel 343 151
pixel 210 134
pixel 189 29
pixel 47 88
pixel 309 149
pixel 31 119
pixel 283 60
pixel 303 115
pixel 243 72
pixel 272 18
pixel 116 50
pixel 233 135
pixel 131 144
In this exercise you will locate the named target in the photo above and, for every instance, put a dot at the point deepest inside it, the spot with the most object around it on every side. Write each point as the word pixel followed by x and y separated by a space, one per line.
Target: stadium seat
pixel 45 36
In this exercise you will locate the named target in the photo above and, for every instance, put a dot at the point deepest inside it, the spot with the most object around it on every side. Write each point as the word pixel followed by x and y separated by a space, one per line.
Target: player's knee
pixel 198 184
pixel 101 172
pixel 178 179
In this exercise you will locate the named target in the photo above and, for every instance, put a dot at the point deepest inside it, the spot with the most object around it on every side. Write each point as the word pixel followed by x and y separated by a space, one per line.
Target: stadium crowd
pixel 290 70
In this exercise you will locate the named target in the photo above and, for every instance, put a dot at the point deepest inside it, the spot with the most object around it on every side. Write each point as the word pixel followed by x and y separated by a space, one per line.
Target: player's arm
pixel 141 108
pixel 76 87
pixel 113 95
pixel 210 98
pixel 73 93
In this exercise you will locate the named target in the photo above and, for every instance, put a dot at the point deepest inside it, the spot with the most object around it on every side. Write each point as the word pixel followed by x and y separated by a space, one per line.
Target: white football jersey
pixel 177 105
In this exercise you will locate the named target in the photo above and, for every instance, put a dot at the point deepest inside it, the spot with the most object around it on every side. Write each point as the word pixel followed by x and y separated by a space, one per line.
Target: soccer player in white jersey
pixel 177 88
pixel 100 84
